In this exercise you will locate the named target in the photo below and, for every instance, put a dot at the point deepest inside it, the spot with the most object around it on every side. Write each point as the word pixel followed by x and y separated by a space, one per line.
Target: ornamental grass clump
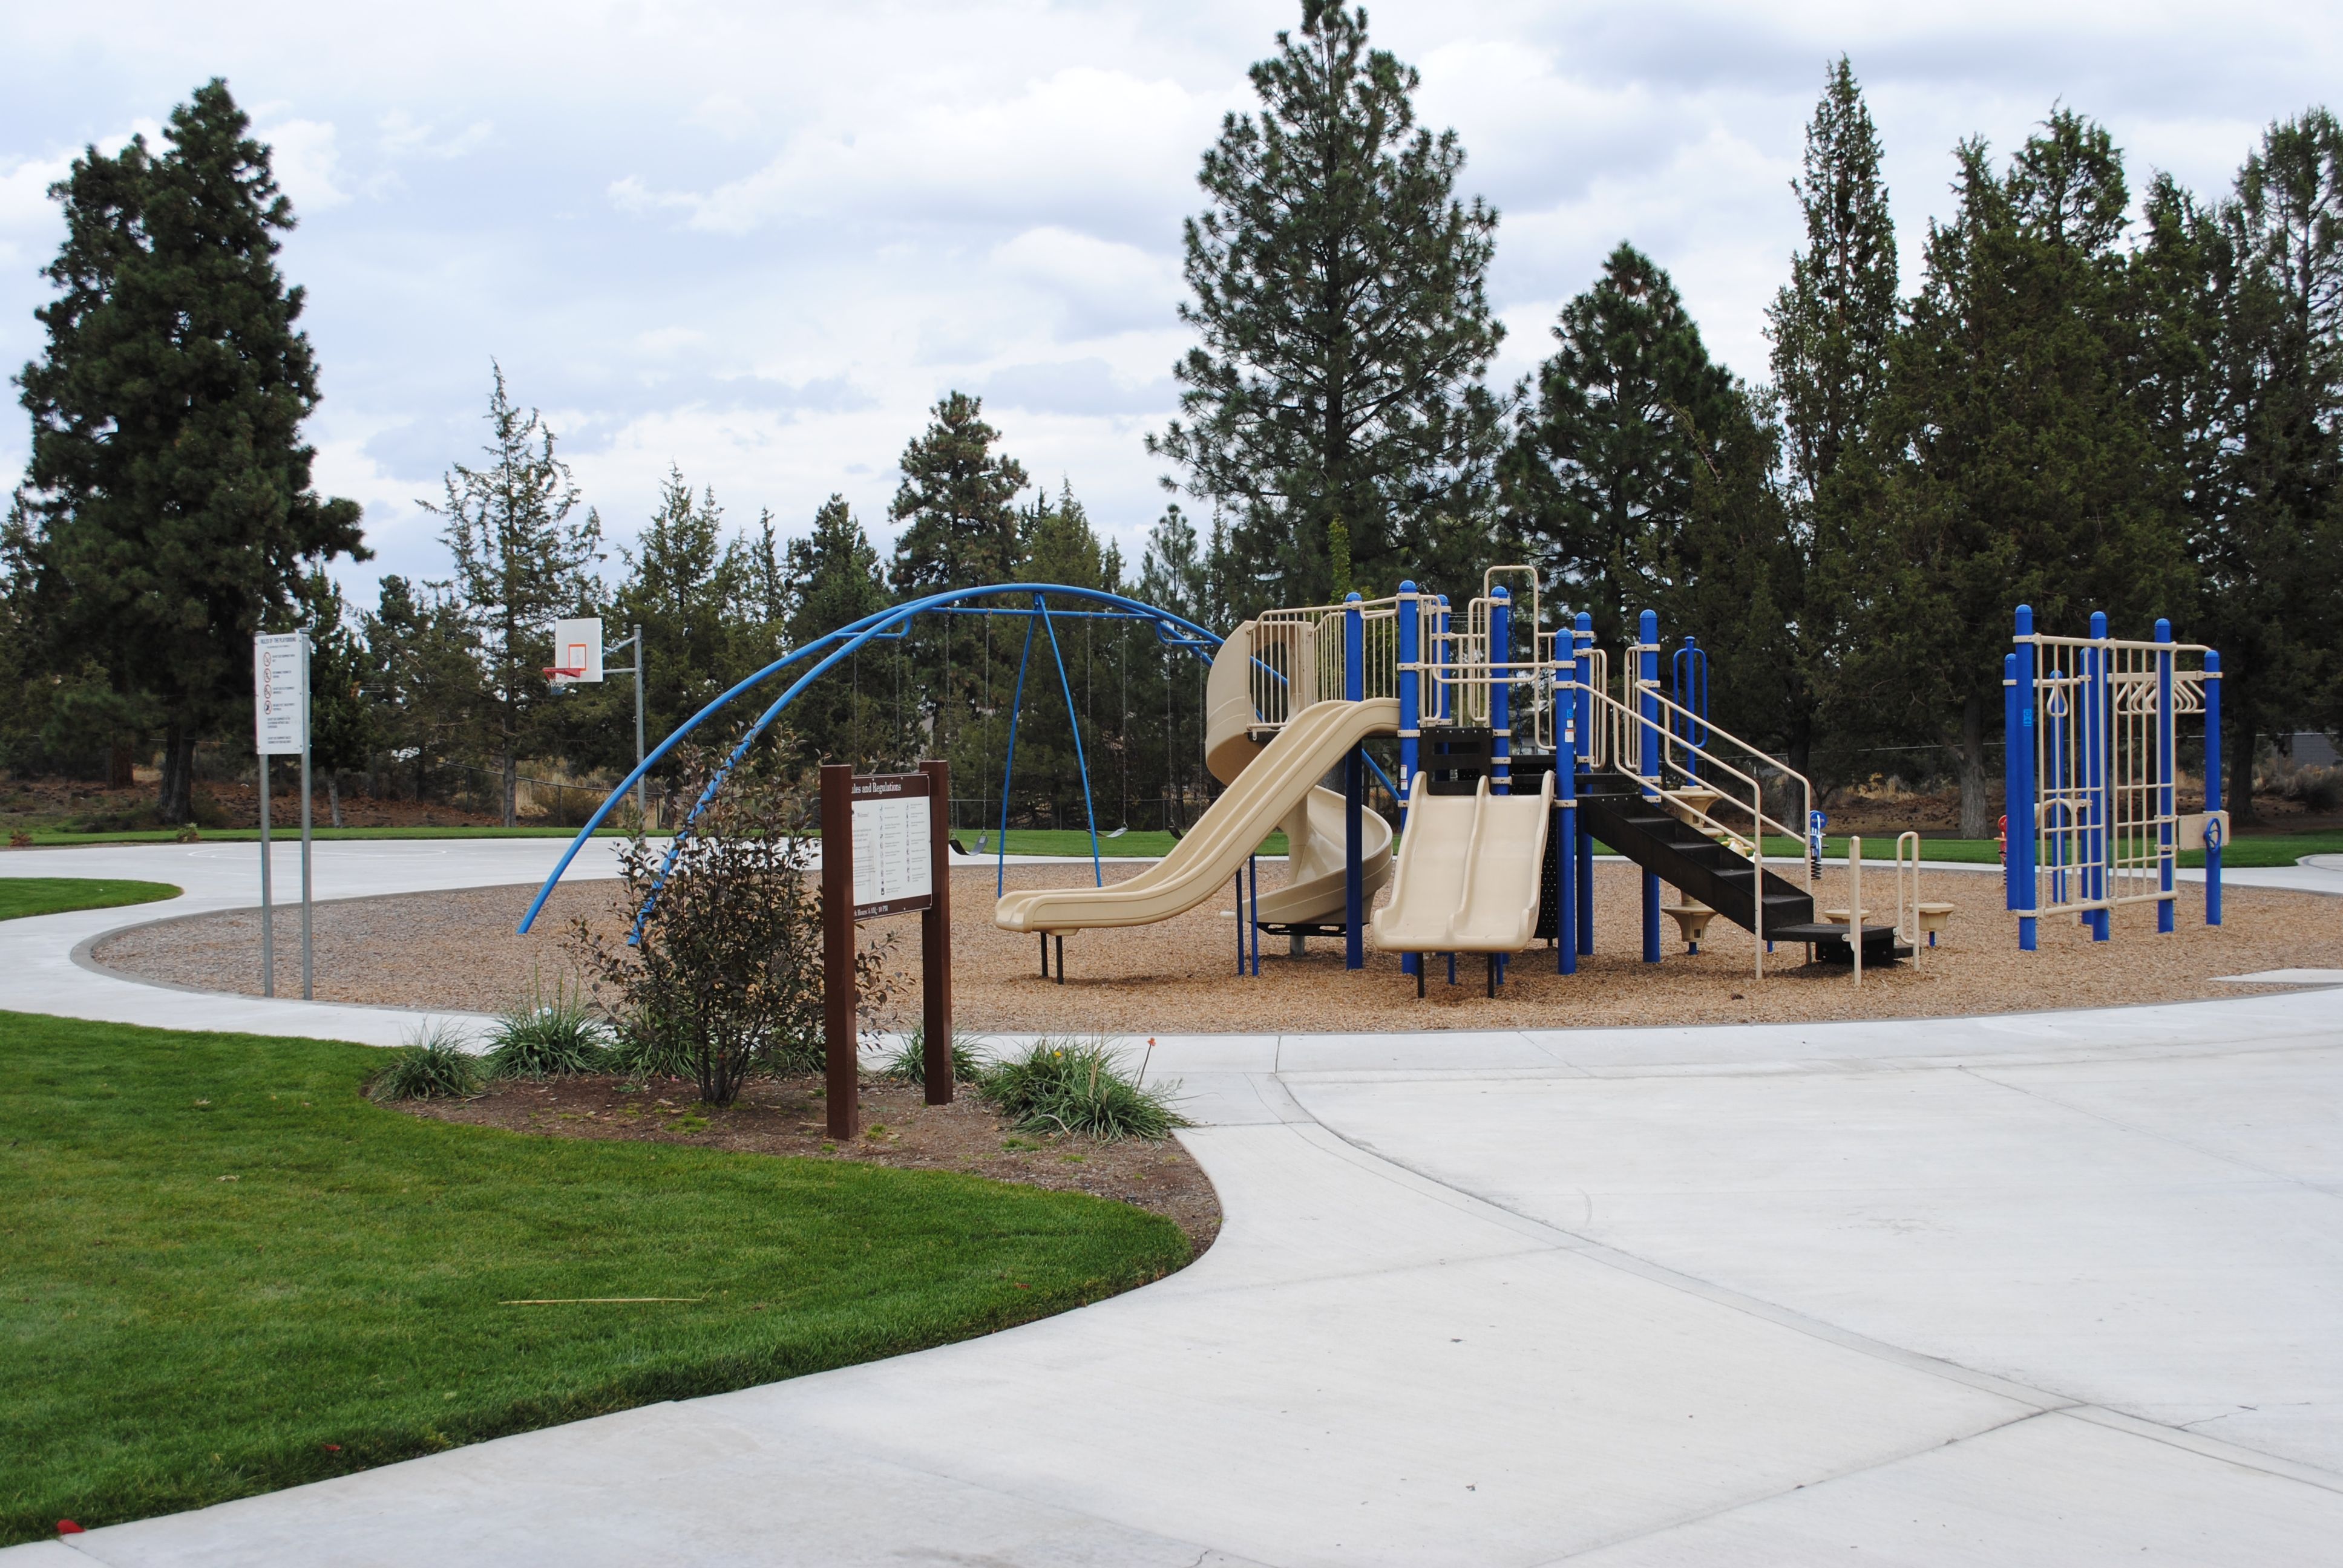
pixel 1078 1087
pixel 551 1036
pixel 908 1062
pixel 438 1063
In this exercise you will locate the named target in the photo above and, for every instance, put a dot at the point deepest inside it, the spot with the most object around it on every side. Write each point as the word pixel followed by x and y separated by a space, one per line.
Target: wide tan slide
pixel 1269 787
pixel 1468 873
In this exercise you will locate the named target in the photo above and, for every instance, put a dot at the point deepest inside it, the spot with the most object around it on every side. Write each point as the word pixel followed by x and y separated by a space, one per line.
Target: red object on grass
pixel 68 1527
pixel 333 1448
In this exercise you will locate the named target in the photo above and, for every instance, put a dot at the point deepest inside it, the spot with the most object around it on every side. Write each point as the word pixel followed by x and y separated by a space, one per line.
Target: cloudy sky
pixel 756 241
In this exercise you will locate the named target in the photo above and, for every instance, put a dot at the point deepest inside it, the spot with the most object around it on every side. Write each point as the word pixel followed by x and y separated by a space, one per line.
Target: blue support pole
pixel 1009 771
pixel 1411 718
pixel 2213 785
pixel 1253 920
pixel 1647 707
pixel 1564 828
pixel 1582 639
pixel 2019 741
pixel 2058 815
pixel 2103 758
pixel 2164 782
pixel 1501 693
pixel 1446 705
pixel 1355 792
pixel 1074 724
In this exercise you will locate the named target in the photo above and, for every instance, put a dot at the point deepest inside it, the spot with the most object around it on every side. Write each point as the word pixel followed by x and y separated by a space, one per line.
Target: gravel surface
pixel 457 951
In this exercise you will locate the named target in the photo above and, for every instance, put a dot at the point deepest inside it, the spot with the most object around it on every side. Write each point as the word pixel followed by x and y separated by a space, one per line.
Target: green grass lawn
pixel 225 1272
pixel 21 896
pixel 1076 842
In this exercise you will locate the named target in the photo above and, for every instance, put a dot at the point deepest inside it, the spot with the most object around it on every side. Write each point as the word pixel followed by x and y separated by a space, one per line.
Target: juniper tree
pixel 168 490
pixel 2025 469
pixel 521 562
pixel 835 581
pixel 1340 296
pixel 1831 327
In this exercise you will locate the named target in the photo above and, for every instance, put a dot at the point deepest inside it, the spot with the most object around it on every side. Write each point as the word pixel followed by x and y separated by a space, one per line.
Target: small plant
pixel 18 838
pixel 908 1062
pixel 436 1064
pixel 1071 1086
pixel 551 1036
pixel 643 1050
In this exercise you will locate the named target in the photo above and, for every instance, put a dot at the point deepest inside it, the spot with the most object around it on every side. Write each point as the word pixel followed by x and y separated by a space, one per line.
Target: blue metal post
pixel 1446 705
pixel 1565 826
pixel 2058 816
pixel 1411 718
pixel 1647 707
pixel 1009 769
pixel 1253 915
pixel 1581 638
pixel 1688 667
pixel 2164 790
pixel 2019 741
pixel 1073 723
pixel 2100 739
pixel 2213 785
pixel 1355 792
pixel 1501 693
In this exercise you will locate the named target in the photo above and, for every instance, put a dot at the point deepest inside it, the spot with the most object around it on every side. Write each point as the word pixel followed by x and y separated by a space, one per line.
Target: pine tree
pixel 2268 546
pixel 342 729
pixel 430 699
pixel 694 594
pixel 1603 481
pixel 2027 472
pixel 520 563
pixel 168 487
pixel 955 498
pixel 1340 294
pixel 1831 327
pixel 834 581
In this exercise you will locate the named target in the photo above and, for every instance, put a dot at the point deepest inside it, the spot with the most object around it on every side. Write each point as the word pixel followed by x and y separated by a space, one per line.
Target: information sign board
pixel 893 872
pixel 280 695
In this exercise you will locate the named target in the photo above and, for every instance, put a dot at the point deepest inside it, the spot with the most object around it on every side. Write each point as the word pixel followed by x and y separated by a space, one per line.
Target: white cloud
pixel 760 240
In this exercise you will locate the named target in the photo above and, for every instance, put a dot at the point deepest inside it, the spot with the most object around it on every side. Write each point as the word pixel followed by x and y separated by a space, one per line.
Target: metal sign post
pixel 883 852
pixel 280 714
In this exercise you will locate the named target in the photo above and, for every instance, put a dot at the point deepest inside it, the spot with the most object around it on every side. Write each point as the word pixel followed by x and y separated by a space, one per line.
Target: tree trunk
pixel 512 787
pixel 1973 795
pixel 118 767
pixel 2238 708
pixel 174 804
pixel 333 796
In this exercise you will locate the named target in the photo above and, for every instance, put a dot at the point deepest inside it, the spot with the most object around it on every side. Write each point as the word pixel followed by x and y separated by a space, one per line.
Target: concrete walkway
pixel 2051 1288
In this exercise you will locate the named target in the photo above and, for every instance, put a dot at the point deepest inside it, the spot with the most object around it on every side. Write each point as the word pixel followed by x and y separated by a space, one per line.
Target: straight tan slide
pixel 1469 866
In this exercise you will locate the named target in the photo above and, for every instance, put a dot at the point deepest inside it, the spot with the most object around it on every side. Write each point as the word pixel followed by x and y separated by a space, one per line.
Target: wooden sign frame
pixel 842 791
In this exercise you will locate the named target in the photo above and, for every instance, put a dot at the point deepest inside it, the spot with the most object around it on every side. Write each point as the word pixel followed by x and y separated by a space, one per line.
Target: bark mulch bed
pixel 785 1116
pixel 457 951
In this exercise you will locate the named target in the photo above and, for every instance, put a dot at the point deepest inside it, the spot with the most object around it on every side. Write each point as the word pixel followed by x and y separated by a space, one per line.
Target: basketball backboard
pixel 577 652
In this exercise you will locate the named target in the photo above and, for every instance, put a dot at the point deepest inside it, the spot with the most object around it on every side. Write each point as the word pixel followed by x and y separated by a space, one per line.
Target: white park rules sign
pixel 280 695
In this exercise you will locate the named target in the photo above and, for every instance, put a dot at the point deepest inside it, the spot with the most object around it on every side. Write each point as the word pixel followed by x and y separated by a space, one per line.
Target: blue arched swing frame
pixel 893 624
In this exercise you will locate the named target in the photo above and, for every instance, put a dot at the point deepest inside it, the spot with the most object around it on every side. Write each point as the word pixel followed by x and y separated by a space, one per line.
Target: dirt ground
pixel 784 1116
pixel 457 951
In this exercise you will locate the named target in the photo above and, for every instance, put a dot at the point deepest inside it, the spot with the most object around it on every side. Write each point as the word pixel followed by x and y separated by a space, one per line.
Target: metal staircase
pixel 1616 809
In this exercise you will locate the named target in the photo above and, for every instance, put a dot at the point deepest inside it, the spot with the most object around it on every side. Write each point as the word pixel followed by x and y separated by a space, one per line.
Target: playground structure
pixel 2092 769
pixel 1515 753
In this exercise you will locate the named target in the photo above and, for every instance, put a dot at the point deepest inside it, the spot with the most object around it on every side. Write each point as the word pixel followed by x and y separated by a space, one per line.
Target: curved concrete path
pixel 2050 1288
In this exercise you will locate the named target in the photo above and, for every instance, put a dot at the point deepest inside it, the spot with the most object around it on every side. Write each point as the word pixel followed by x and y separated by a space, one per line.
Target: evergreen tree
pixel 430 699
pixel 341 716
pixel 1060 546
pixel 1603 480
pixel 520 563
pixel 956 499
pixel 834 581
pixel 2268 546
pixel 1175 573
pixel 1831 327
pixel 1340 296
pixel 168 487
pixel 694 594
pixel 2027 471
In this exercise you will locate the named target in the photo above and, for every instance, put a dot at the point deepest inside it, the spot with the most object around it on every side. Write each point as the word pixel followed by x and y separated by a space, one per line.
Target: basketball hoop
pixel 567 674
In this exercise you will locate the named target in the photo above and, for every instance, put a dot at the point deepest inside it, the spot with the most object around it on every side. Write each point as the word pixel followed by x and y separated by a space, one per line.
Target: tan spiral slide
pixel 1269 787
